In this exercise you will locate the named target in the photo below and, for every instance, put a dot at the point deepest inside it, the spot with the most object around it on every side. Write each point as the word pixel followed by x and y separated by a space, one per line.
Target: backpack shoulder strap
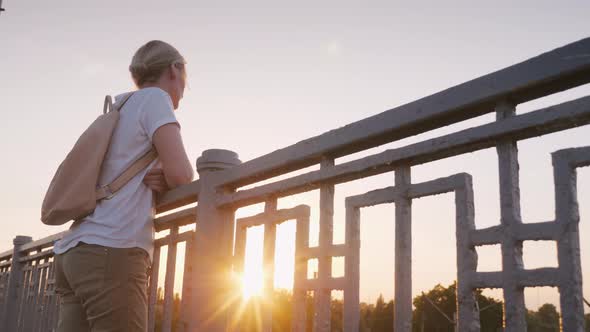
pixel 108 103
pixel 107 191
pixel 125 99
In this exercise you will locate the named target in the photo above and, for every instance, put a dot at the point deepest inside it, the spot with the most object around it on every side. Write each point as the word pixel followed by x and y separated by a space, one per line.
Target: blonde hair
pixel 151 60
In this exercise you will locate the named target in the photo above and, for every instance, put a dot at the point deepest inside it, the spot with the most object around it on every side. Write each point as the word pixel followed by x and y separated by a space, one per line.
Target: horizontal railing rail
pixel 551 119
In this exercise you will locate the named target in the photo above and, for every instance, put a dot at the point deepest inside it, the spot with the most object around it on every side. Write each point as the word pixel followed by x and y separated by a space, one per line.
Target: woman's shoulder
pixel 145 98
pixel 152 92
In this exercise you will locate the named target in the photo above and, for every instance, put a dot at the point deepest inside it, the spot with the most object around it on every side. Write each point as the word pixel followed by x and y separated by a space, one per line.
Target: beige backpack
pixel 74 190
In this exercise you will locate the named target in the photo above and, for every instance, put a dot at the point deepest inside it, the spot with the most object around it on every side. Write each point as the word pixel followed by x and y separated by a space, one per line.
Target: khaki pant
pixel 102 289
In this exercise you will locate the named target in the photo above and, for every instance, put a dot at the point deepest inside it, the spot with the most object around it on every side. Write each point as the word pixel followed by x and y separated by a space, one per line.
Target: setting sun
pixel 252 278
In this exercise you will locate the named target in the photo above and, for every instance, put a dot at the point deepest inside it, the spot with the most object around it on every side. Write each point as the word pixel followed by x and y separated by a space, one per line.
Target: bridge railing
pixel 216 247
pixel 27 280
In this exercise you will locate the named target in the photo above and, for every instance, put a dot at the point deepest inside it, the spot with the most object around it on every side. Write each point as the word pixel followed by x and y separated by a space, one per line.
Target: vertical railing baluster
pixel 300 275
pixel 45 302
pixel 514 306
pixel 323 294
pixel 270 233
pixel 153 296
pixel 568 246
pixel 352 269
pixel 403 253
pixel 169 280
pixel 238 270
pixel 184 315
pixel 34 309
pixel 19 300
pixel 52 305
pixel 4 285
pixel 40 301
pixel 23 295
pixel 29 311
pixel 26 288
pixel 467 312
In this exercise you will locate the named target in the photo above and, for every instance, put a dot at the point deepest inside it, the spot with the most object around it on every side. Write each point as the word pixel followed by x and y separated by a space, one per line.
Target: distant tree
pixel 546 319
pixel 282 311
pixel 281 305
pixel 445 299
pixel 426 314
pixel 381 317
pixel 587 319
pixel 159 309
pixel 548 316
pixel 490 315
pixel 160 294
pixel 337 318
pixel 389 318
pixel 365 316
pixel 376 323
pixel 175 311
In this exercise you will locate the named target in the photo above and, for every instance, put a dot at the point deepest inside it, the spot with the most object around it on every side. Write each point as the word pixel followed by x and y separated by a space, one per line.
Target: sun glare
pixel 252 285
pixel 252 279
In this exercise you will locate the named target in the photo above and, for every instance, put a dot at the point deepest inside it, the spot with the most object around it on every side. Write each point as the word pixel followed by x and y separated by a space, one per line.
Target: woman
pixel 102 263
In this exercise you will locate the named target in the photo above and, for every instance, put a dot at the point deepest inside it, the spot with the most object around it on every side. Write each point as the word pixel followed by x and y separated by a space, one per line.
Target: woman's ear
pixel 172 74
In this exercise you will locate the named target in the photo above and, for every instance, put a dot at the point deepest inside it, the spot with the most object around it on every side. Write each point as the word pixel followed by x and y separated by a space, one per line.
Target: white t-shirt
pixel 126 220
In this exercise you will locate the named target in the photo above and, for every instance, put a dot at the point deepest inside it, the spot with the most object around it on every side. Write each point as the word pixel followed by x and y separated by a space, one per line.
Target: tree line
pixel 434 311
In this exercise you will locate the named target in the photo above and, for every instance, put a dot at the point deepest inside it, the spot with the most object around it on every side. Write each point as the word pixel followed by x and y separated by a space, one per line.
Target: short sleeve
pixel 156 112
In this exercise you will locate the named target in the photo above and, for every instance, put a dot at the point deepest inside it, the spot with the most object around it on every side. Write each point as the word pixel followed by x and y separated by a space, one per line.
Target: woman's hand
pixel 155 180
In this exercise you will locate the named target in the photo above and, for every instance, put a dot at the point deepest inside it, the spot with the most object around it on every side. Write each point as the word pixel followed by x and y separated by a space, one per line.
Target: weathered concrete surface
pixel 268 262
pixel 564 229
pixel 300 275
pixel 512 264
pixel 176 219
pixel 402 306
pixel 323 294
pixel 352 268
pixel 178 197
pixel 278 216
pixel 529 231
pixel 169 280
pixel 466 256
pixel 468 313
pixel 568 246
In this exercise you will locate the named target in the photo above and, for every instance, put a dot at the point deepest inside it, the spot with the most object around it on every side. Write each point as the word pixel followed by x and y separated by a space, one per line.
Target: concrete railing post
pixel 212 254
pixel 512 261
pixel 403 253
pixel 15 280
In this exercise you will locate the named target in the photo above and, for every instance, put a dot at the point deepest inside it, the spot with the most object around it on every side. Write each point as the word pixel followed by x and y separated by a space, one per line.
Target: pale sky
pixel 264 75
